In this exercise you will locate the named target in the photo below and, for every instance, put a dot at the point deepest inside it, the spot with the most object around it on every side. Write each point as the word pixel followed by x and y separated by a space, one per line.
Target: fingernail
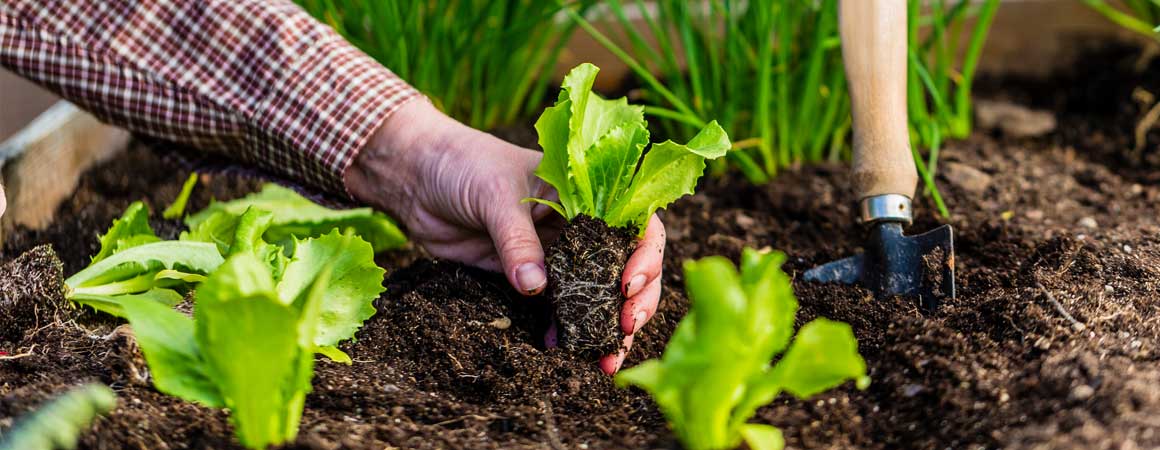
pixel 638 321
pixel 634 285
pixel 531 278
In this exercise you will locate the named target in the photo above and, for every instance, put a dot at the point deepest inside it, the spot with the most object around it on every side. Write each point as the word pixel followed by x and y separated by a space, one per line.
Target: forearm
pixel 258 80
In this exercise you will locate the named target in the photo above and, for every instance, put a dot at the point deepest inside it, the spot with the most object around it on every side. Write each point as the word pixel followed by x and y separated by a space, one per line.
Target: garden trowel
pixel 884 177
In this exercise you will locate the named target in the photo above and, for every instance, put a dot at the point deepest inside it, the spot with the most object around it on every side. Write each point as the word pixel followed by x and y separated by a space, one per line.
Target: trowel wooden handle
pixel 874 52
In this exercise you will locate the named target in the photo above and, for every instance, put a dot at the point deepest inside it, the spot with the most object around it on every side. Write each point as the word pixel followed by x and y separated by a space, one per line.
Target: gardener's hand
pixel 3 201
pixel 459 193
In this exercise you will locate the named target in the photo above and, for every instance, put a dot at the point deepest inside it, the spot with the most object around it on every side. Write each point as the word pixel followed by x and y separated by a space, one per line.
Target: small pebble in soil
pixel 966 177
pixel 1034 214
pixel 745 221
pixel 1082 392
pixel 1089 222
pixel 501 323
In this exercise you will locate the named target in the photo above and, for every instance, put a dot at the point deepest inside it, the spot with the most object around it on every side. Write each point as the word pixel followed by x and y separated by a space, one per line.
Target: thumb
pixel 520 252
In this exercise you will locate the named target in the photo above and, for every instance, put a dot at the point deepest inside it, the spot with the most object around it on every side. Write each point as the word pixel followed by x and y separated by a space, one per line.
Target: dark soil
pixel 585 266
pixel 1051 343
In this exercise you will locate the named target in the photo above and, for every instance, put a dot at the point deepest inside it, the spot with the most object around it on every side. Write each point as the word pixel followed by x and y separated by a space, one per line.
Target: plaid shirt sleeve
pixel 257 80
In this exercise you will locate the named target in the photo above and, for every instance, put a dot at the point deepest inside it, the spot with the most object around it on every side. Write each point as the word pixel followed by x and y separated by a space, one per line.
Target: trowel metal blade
pixel 845 271
pixel 895 264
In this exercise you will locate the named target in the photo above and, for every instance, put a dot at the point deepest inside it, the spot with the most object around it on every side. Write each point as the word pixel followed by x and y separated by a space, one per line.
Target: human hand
pixel 459 192
pixel 3 201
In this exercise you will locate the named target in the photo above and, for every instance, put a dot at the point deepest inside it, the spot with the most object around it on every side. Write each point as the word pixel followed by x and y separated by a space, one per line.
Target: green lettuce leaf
pixel 762 437
pixel 176 363
pixel 135 270
pixel 113 304
pixel 613 161
pixel 295 216
pixel 131 230
pixel 715 371
pixel 552 128
pixel 592 148
pixel 218 228
pixel 177 208
pixel 823 355
pixel 250 342
pixel 669 172
pixel 233 234
pixel 355 281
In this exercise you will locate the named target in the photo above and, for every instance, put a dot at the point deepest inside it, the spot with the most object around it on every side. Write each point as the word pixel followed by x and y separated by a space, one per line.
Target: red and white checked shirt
pixel 257 80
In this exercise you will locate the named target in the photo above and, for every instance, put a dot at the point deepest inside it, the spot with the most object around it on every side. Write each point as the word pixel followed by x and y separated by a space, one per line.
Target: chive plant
pixel 939 91
pixel 758 68
pixel 1140 16
pixel 771 73
pixel 484 62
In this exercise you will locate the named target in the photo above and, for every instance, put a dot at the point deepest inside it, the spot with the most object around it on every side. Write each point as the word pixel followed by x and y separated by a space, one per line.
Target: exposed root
pixel 26 354
pixel 31 294
pixel 1059 307
pixel 478 417
pixel 585 266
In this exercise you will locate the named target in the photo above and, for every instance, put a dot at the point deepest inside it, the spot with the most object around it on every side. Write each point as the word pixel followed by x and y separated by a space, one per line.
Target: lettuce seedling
pixel 251 343
pixel 296 216
pixel 592 150
pixel 716 371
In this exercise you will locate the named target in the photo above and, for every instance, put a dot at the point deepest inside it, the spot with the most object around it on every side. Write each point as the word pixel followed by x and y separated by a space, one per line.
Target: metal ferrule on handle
pixel 885 208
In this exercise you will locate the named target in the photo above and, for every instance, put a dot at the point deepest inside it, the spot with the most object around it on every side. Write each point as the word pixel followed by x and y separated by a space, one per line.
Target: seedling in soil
pixel 716 369
pixel 592 151
pixel 59 423
pixel 251 343
pixel 272 290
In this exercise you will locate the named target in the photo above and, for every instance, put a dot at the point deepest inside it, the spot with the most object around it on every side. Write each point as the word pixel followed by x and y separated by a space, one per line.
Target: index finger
pixel 644 265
